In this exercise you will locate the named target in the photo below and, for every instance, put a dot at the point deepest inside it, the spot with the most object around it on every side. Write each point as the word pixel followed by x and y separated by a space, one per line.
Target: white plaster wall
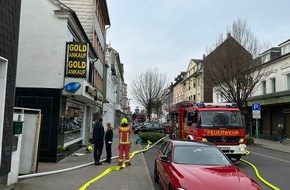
pixel 108 108
pixel 42 43
pixel 277 70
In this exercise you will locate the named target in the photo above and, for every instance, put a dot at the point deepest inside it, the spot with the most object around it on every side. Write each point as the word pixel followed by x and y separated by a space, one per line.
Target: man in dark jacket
pixel 98 138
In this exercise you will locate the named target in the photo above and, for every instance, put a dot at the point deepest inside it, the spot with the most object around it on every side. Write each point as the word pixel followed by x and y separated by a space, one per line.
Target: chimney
pixel 229 35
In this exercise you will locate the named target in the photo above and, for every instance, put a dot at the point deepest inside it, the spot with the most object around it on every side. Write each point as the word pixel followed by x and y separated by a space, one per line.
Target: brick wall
pixel 9 32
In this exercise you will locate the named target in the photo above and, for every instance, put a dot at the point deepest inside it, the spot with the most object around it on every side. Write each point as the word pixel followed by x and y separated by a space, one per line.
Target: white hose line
pixel 76 167
pixel 58 171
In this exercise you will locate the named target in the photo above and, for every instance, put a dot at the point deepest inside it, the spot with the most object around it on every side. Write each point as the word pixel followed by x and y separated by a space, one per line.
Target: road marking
pixel 271 157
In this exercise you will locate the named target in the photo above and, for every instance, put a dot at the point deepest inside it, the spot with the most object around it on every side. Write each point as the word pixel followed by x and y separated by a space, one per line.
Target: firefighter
pixel 124 142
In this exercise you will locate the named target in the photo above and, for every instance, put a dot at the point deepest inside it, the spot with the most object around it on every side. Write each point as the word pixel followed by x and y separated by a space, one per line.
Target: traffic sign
pixel 256 111
pixel 256 107
pixel 256 114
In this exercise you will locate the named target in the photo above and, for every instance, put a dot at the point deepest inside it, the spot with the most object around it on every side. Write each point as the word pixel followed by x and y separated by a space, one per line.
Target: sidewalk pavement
pixel 274 145
pixel 81 170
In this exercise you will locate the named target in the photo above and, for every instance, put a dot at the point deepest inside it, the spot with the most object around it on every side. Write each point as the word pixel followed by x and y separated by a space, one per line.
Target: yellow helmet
pixel 90 148
pixel 124 121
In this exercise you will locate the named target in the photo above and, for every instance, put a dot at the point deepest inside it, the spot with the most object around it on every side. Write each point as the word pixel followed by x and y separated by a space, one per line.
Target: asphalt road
pixel 273 166
pixel 150 158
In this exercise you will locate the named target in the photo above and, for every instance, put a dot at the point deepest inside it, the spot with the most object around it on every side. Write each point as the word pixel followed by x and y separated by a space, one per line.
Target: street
pixel 272 166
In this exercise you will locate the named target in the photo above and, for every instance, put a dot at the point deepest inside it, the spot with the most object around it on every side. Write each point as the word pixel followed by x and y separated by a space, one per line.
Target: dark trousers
pixel 109 151
pixel 98 148
pixel 281 138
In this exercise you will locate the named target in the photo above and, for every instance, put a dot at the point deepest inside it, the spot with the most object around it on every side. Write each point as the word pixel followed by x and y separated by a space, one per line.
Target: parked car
pixel 140 124
pixel 152 126
pixel 198 165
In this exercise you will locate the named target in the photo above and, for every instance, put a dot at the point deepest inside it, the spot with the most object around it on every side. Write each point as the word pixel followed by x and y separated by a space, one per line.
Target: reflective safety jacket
pixel 124 135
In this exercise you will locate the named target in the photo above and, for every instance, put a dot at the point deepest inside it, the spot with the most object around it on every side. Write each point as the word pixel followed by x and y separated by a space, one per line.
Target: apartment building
pixel 178 88
pixel 56 73
pixel 94 17
pixel 117 105
pixel 273 92
pixel 193 82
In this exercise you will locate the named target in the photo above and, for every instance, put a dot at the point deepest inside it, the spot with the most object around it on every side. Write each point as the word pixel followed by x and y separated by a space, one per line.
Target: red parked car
pixel 191 165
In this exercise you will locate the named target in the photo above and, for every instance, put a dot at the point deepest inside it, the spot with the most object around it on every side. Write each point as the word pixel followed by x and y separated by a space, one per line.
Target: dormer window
pixel 285 49
pixel 265 58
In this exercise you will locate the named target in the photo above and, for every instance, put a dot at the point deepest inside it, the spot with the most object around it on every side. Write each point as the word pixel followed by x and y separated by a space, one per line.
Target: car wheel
pixel 156 177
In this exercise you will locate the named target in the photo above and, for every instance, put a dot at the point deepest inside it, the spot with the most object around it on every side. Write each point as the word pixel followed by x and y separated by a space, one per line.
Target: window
pixel 265 58
pixel 264 87
pixel 217 97
pixel 72 121
pixel 191 118
pixel 288 81
pixel 285 49
pixel 273 84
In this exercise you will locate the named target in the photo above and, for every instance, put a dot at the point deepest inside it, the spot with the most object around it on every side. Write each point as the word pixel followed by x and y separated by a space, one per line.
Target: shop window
pixel 73 118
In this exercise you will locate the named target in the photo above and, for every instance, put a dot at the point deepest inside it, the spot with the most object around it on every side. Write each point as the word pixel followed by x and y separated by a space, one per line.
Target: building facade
pixel 273 92
pixel 178 88
pixel 9 30
pixel 193 83
pixel 56 73
pixel 111 87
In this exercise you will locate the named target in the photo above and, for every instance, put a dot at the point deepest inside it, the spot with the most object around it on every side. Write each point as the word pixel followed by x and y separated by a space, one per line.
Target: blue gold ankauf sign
pixel 76 65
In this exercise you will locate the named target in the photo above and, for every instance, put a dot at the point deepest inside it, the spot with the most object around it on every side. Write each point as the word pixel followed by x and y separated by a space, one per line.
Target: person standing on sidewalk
pixel 124 142
pixel 98 139
pixel 281 133
pixel 108 142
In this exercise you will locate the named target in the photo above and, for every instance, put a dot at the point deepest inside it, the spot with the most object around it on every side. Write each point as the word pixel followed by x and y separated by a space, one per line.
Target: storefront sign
pixel 76 65
pixel 91 91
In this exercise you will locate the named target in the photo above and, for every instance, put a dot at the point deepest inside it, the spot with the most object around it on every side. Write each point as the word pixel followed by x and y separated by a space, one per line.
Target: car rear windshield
pixel 199 155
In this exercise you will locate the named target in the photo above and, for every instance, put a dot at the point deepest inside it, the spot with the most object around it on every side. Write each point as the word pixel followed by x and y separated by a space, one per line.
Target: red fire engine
pixel 219 123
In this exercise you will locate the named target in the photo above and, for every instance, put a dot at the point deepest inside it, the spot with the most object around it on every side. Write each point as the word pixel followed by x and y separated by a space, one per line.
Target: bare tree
pixel 148 88
pixel 232 68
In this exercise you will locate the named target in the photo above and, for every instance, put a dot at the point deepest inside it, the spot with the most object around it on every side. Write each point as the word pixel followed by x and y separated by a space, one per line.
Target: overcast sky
pixel 166 34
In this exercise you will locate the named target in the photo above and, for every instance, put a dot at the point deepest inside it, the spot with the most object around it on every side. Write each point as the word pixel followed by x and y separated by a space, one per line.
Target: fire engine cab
pixel 218 123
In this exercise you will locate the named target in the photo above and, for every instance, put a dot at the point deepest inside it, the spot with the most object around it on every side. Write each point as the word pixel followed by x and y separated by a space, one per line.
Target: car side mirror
pixel 164 158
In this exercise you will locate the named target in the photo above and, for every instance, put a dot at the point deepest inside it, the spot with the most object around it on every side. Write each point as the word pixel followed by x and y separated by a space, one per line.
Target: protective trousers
pixel 124 148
